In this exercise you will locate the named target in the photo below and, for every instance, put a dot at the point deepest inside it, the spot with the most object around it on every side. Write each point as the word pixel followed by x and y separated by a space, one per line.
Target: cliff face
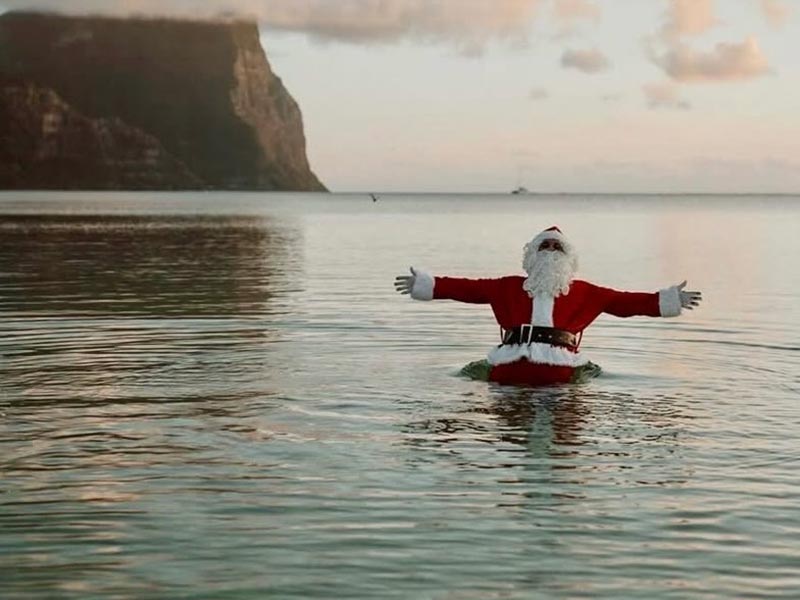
pixel 98 103
pixel 45 143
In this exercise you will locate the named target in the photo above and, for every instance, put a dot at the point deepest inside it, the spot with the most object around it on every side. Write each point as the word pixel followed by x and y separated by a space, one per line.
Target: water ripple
pixel 235 404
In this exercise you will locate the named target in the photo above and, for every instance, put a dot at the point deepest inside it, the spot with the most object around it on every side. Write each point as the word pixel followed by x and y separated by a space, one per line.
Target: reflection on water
pixel 544 420
pixel 130 307
pixel 126 342
pixel 221 396
pixel 560 428
pixel 180 266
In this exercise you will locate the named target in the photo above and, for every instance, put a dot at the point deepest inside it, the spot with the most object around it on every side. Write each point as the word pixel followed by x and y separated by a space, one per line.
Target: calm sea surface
pixel 221 396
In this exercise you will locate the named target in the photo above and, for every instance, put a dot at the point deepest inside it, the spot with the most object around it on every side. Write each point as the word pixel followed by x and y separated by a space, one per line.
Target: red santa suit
pixel 541 363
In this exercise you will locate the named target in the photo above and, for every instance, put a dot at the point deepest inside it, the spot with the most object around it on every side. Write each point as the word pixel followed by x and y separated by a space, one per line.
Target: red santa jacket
pixel 573 312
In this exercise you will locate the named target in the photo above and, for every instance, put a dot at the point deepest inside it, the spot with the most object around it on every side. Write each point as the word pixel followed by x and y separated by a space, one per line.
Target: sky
pixel 606 96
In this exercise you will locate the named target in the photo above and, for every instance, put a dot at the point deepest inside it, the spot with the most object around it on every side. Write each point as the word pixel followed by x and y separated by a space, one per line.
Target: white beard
pixel 549 272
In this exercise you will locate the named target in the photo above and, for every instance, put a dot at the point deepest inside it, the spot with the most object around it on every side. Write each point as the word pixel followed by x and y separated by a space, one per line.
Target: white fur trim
pixel 423 286
pixel 542 315
pixel 536 353
pixel 669 302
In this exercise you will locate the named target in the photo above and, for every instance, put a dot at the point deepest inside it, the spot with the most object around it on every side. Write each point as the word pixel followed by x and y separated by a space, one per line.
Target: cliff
pixel 103 103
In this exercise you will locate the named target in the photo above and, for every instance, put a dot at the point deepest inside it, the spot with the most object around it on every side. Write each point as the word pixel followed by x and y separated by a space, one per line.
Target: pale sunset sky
pixel 556 95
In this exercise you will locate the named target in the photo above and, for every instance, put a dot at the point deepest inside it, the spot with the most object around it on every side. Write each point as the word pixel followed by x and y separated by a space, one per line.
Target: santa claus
pixel 543 315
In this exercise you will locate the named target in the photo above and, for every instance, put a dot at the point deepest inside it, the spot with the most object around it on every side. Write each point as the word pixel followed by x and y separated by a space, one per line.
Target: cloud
pixel 664 95
pixel 588 61
pixel 726 62
pixel 688 17
pixel 466 23
pixel 538 93
pixel 568 12
pixel 775 11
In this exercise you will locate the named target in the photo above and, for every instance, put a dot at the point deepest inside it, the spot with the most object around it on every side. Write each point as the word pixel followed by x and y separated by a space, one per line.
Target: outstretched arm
pixel 664 303
pixel 422 286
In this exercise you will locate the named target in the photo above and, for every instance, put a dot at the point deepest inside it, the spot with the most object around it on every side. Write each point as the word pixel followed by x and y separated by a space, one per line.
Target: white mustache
pixel 549 272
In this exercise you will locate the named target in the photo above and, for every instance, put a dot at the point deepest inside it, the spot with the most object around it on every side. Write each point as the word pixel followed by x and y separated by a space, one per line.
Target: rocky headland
pixel 106 103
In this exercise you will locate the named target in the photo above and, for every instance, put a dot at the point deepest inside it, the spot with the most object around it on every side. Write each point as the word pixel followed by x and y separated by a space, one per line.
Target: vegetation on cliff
pixel 144 103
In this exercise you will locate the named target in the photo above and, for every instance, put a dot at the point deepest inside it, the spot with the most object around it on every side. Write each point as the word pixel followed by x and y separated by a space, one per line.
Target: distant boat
pixel 521 190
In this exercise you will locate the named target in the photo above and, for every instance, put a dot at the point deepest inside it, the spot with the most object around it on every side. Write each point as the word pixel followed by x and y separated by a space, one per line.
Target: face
pixel 551 246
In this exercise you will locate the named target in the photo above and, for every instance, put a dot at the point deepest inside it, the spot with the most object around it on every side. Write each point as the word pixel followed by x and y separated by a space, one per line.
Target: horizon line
pixel 500 193
pixel 387 193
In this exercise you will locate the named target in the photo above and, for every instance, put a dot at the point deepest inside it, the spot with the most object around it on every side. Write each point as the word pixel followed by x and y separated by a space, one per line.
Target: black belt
pixel 526 334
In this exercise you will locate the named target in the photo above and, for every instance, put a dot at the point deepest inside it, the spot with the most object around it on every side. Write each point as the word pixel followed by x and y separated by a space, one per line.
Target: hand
pixel 688 299
pixel 405 283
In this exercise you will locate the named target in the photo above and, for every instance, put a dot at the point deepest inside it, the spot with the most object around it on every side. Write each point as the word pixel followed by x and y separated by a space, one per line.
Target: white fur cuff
pixel 423 287
pixel 669 302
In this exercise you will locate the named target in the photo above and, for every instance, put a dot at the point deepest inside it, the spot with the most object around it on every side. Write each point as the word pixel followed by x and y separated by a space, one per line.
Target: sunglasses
pixel 551 245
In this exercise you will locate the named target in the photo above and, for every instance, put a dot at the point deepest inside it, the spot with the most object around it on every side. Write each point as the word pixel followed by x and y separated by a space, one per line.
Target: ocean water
pixel 221 396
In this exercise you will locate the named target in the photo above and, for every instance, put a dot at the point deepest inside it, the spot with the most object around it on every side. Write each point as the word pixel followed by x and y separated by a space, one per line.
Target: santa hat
pixel 551 233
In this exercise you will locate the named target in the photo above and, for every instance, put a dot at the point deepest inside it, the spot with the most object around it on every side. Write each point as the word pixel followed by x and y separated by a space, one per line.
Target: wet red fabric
pixel 524 372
